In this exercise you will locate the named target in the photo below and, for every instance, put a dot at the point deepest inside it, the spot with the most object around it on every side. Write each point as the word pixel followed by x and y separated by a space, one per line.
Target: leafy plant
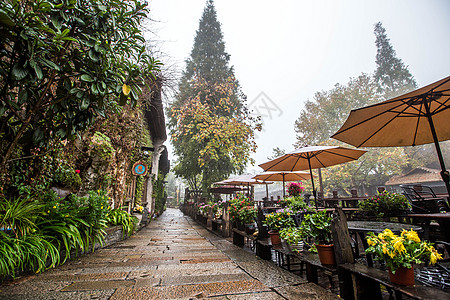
pixel 317 227
pixel 203 208
pixel 282 218
pixel 384 203
pixel 236 204
pixel 247 214
pixel 22 245
pixel 19 215
pixel 120 217
pixel 59 73
pixel 297 204
pixel 401 251
pixel 292 235
pixel 67 177
pixel 28 252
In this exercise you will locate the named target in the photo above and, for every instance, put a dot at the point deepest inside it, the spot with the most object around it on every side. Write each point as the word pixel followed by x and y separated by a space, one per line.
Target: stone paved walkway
pixel 172 258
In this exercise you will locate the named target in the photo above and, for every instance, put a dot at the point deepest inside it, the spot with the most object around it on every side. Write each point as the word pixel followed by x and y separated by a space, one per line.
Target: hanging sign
pixel 140 168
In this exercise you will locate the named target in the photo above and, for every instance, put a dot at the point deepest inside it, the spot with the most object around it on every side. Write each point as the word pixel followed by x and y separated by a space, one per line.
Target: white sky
pixel 291 49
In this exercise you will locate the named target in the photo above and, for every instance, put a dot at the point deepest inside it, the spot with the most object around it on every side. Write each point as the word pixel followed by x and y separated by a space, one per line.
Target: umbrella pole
pixel 267 192
pixel 284 192
pixel 444 173
pixel 312 181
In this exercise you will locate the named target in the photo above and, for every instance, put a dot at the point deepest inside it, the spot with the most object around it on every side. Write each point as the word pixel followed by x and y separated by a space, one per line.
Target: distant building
pixel 421 175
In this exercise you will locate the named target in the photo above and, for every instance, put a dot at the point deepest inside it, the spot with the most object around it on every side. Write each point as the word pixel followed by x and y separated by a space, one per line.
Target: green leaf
pixel 38 71
pixel 87 78
pixel 65 32
pixel 23 96
pixel 19 72
pixel 94 89
pixel 93 55
pixel 68 38
pixel 38 135
pixel 56 23
pixel 5 19
pixel 49 63
pixel 84 103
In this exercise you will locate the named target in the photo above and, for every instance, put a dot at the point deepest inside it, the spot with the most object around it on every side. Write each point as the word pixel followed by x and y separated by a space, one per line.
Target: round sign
pixel 140 168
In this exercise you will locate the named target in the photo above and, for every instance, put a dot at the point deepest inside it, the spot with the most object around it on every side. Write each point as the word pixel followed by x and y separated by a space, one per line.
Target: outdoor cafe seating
pixel 424 200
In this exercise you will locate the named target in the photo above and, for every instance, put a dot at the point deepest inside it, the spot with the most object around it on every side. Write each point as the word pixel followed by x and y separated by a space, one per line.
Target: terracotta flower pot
pixel 402 276
pixel 326 254
pixel 275 237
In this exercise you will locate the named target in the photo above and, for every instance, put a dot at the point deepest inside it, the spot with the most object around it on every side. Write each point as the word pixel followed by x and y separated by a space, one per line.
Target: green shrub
pixel 67 177
pixel 27 252
pixel 120 217
pixel 22 245
pixel 384 203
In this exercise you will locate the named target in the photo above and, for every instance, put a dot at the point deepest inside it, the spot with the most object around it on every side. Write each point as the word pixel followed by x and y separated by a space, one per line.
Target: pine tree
pixel 392 76
pixel 208 60
pixel 212 131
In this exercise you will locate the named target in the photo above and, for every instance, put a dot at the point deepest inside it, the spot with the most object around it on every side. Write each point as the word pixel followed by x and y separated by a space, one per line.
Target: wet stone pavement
pixel 172 258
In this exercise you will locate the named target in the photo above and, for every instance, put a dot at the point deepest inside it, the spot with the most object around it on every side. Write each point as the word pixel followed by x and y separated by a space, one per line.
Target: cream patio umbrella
pixel 312 157
pixel 415 118
pixel 283 176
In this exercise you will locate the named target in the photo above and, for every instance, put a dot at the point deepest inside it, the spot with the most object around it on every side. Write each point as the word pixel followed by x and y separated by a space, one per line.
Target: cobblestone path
pixel 172 258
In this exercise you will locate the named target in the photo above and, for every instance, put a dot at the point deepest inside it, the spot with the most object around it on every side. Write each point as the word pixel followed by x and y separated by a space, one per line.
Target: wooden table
pixel 444 224
pixel 361 228
pixel 358 281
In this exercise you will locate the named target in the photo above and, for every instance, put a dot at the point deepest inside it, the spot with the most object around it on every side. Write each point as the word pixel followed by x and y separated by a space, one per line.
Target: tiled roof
pixel 416 175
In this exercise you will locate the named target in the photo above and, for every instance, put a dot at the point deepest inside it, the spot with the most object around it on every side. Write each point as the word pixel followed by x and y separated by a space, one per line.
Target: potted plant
pixel 299 207
pixel 282 218
pixel 295 189
pixel 401 253
pixel 384 204
pixel 247 216
pixel 235 206
pixel 293 237
pixel 316 228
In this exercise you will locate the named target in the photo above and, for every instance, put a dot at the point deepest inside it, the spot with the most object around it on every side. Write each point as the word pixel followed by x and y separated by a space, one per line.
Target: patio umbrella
pixel 242 180
pixel 312 157
pixel 416 118
pixel 283 176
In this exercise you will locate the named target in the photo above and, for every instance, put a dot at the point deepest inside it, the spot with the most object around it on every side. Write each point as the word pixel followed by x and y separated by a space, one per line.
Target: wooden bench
pixel 313 265
pixel 308 262
pixel 240 236
pixel 357 281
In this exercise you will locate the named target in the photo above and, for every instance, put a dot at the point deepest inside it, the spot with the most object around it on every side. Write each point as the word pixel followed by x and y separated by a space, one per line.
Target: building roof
pixel 417 175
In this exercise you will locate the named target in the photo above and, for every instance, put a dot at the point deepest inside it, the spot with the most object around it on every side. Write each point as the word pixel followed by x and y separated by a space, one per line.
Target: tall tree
pixel 392 76
pixel 209 59
pixel 212 130
pixel 326 113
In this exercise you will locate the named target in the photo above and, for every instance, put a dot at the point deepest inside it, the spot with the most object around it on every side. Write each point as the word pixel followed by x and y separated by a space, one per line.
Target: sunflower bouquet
pixel 401 251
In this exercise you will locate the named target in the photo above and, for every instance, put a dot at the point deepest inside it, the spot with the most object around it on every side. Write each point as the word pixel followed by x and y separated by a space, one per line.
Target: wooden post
pixel 226 223
pixel 341 237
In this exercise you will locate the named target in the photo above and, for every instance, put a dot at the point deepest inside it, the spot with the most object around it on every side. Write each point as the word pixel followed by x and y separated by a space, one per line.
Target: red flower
pixel 77 171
